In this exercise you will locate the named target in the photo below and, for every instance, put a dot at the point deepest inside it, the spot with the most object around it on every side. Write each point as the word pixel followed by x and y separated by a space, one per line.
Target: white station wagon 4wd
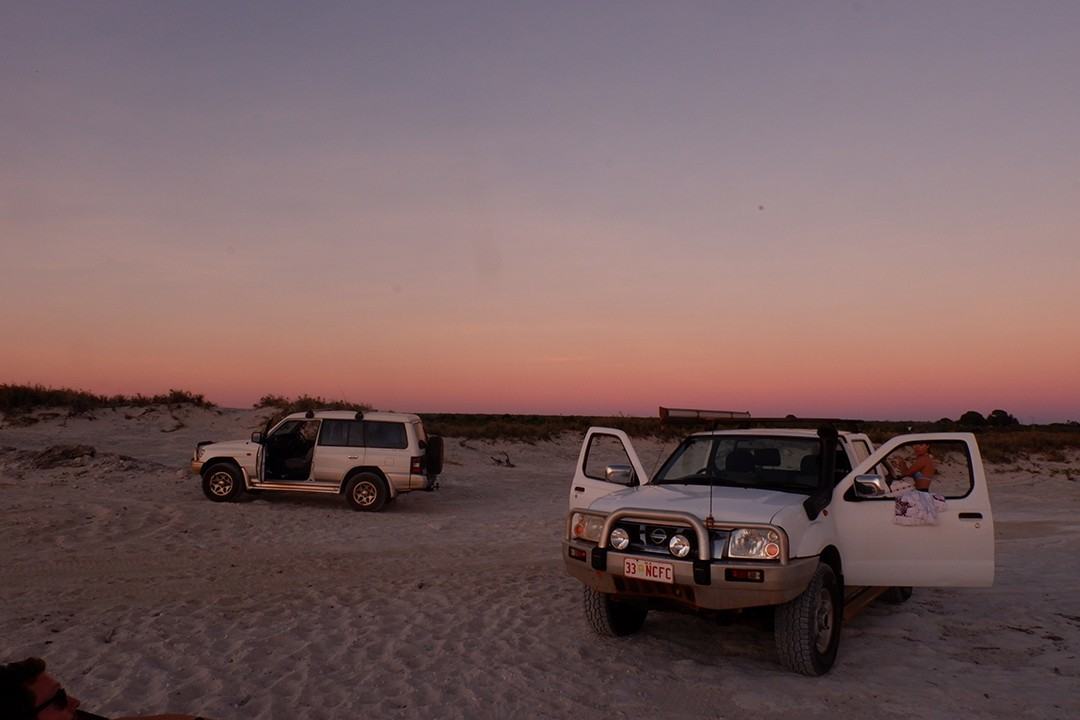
pixel 789 519
pixel 371 458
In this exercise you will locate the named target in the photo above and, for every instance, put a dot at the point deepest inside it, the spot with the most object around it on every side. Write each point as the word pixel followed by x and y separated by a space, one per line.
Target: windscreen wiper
pixel 796 487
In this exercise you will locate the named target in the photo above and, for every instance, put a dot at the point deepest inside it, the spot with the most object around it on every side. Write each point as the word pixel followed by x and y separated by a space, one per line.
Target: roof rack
pixel 790 422
pixel 742 419
pixel 693 414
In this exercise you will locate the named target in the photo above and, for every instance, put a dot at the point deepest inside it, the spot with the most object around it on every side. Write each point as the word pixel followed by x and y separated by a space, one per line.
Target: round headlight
pixel 679 546
pixel 620 539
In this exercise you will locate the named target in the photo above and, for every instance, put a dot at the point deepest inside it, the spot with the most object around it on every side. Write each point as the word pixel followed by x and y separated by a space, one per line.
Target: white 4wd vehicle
pixel 371 458
pixel 793 519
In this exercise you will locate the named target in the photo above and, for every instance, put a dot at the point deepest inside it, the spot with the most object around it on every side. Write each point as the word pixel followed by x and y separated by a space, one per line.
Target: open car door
pixel 607 463
pixel 958 550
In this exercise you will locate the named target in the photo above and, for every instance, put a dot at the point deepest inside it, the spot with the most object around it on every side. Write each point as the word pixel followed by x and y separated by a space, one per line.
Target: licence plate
pixel 649 570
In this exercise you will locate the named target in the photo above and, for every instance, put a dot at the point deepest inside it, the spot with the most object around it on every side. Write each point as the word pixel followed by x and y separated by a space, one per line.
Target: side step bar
pixel 298 487
pixel 855 602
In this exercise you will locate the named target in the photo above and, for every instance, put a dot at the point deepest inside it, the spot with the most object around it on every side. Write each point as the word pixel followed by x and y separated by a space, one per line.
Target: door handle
pixel 971 516
pixel 353 457
pixel 579 489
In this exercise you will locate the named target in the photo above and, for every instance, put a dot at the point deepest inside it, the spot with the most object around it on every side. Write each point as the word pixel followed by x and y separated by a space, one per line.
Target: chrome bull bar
pixel 688 520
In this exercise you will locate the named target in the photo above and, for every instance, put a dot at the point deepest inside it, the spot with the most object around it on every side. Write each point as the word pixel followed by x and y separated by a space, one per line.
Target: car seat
pixel 739 466
pixel 298 468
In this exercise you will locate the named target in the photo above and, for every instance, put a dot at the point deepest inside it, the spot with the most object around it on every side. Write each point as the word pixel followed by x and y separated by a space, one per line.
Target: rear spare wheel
pixel 433 455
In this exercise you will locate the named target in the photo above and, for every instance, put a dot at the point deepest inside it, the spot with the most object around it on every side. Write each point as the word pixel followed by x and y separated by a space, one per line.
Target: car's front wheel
pixel 367 492
pixel 222 482
pixel 613 618
pixel 807 629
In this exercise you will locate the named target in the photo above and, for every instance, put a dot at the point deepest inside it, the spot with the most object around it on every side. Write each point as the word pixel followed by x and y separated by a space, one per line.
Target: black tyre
pixel 613 618
pixel 896 595
pixel 222 482
pixel 367 492
pixel 433 455
pixel 807 629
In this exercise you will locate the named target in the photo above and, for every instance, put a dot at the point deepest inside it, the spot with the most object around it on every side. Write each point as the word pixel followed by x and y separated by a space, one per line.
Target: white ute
pixel 371 458
pixel 793 519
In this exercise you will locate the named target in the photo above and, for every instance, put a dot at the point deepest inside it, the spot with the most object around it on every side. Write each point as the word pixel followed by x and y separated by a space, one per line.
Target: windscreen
pixel 788 464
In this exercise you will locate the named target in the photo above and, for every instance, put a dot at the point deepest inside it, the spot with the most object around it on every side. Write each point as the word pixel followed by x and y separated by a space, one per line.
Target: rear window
pixel 379 434
pixel 862 450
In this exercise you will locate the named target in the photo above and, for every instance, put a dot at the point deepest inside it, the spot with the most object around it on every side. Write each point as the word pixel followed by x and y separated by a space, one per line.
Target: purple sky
pixel 868 209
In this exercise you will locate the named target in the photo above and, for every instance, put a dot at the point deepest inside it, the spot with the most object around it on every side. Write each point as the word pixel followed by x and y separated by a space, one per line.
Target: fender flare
pixel 367 469
pixel 232 461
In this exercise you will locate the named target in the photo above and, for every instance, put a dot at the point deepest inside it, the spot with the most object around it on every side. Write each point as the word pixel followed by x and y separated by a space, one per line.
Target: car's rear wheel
pixel 807 629
pixel 613 618
pixel 222 482
pixel 367 492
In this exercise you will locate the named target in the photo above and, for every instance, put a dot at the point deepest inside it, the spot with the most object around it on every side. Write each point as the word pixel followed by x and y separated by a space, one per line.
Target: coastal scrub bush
pixel 21 399
pixel 308 402
pixel 539 428
pixel 972 419
pixel 1000 418
pixel 283 405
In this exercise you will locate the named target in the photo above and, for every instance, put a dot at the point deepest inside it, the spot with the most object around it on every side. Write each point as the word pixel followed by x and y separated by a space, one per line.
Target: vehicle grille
pixel 653 538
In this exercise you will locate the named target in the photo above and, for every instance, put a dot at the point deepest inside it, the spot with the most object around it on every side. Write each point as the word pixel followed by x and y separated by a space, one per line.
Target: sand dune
pixel 144 596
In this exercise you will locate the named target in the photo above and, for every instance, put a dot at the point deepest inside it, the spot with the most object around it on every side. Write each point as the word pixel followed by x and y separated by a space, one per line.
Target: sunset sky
pixel 856 209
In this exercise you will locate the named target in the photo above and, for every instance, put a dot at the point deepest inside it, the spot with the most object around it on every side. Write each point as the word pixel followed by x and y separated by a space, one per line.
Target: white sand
pixel 144 596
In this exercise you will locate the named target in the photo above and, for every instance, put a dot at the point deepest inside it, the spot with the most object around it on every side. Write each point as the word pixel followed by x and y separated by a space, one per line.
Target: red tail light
pixel 417 465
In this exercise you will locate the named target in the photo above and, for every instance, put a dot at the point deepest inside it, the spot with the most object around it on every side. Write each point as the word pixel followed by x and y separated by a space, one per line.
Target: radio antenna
pixel 709 521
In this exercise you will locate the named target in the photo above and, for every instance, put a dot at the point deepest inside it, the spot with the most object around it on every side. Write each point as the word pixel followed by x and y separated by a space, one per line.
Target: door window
pixel 843 465
pixel 335 433
pixel 949 462
pixel 309 431
pixel 604 450
pixel 385 435
pixel 285 428
pixel 862 450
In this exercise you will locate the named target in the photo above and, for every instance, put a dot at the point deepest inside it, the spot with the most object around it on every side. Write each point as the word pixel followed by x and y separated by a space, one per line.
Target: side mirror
pixel 257 438
pixel 871 486
pixel 619 474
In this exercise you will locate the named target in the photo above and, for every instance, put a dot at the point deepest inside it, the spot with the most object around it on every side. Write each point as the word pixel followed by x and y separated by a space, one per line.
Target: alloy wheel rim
pixel 221 483
pixel 364 493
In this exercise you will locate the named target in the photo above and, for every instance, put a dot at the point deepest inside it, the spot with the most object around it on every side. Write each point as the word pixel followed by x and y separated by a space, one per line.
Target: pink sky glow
pixel 562 208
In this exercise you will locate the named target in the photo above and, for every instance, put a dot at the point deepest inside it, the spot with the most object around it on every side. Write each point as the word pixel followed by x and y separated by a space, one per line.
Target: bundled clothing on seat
pixel 915 507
